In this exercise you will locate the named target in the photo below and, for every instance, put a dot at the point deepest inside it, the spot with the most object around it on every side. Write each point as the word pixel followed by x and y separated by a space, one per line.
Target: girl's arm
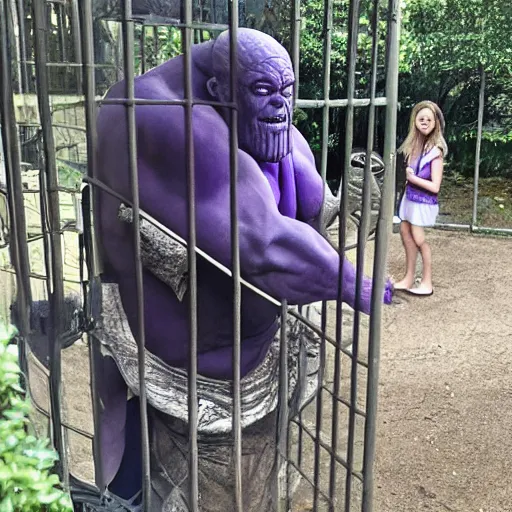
pixel 432 185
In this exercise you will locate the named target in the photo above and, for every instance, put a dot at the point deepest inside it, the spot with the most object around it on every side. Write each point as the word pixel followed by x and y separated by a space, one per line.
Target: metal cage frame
pixel 50 189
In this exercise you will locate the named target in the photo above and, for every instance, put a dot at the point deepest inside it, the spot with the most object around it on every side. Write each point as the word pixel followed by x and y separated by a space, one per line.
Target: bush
pixel 26 479
pixel 496 156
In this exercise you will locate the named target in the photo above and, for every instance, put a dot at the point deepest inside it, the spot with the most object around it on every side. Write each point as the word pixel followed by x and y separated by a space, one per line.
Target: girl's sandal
pixel 418 292
pixel 401 288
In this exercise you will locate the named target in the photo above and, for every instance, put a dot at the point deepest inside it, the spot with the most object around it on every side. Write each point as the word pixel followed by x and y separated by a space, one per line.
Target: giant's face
pixel 264 93
pixel 265 96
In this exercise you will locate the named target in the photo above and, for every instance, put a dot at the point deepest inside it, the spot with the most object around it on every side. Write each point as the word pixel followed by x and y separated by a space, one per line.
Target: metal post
pixel 234 18
pixel 283 412
pixel 75 31
pixel 295 51
pixel 353 30
pixel 192 369
pixel 12 15
pixel 11 150
pixel 381 248
pixel 23 47
pixel 323 171
pixel 481 104
pixel 89 82
pixel 360 256
pixel 128 48
pixel 52 231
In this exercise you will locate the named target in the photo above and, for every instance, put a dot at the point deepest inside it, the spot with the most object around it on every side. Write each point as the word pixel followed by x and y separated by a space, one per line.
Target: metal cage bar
pixel 79 21
pixel 52 230
pixel 11 151
pixel 360 252
pixel 235 254
pixel 480 123
pixel 192 376
pixel 323 173
pixel 24 85
pixel 85 44
pixel 354 14
pixel 140 336
pixel 381 249
pixel 128 48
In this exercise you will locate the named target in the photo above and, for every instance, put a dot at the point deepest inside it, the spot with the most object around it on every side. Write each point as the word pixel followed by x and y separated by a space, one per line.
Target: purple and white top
pixel 423 170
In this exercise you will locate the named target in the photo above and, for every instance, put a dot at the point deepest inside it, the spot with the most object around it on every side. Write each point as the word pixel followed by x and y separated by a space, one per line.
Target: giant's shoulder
pixel 301 148
pixel 163 82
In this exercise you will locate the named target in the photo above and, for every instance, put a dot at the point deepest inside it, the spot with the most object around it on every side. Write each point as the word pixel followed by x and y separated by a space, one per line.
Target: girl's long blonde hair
pixel 413 143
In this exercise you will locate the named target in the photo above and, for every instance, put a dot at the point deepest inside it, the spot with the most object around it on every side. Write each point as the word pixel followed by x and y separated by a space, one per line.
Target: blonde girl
pixel 424 150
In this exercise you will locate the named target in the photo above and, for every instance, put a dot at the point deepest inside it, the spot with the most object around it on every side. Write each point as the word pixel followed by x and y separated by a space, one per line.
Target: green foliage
pixel 26 481
pixel 160 43
pixel 157 44
pixel 68 177
pixel 444 45
pixel 459 34
pixel 312 69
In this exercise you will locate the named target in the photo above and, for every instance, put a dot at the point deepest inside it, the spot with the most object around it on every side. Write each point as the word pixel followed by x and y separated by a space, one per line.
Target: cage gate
pixel 261 414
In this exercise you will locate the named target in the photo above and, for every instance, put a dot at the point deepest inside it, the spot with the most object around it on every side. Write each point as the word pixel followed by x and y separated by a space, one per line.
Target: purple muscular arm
pixel 310 192
pixel 284 257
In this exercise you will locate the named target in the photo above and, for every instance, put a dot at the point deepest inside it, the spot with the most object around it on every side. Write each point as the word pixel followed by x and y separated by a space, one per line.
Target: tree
pixel 445 46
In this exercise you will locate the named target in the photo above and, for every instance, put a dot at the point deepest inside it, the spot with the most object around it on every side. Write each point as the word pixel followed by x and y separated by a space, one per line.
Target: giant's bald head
pixel 265 89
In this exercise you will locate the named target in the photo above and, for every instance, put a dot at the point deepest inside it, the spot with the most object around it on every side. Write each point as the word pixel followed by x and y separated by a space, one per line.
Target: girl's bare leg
pixel 411 253
pixel 418 234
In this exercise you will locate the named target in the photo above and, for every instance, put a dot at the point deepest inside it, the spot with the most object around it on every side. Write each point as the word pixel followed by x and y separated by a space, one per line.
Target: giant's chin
pixel 267 141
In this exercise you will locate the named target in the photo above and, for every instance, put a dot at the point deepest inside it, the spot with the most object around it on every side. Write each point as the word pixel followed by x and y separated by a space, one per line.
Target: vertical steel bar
pixel 323 171
pixel 481 105
pixel 192 370
pixel 142 49
pixel 155 45
pixel 337 359
pixel 89 83
pixel 128 50
pixel 319 409
pixel 361 239
pixel 296 19
pixel 56 284
pixel 11 150
pixel 75 33
pixel 381 248
pixel 240 11
pixel 23 46
pixel 59 11
pixel 353 30
pixel 326 85
pixel 14 21
pixel 235 255
pixel 283 409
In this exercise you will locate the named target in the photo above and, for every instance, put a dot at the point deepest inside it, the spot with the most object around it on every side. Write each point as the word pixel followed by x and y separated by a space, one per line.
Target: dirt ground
pixel 445 401
pixel 445 415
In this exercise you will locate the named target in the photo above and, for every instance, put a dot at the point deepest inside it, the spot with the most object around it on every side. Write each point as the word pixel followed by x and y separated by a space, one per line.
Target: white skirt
pixel 418 214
